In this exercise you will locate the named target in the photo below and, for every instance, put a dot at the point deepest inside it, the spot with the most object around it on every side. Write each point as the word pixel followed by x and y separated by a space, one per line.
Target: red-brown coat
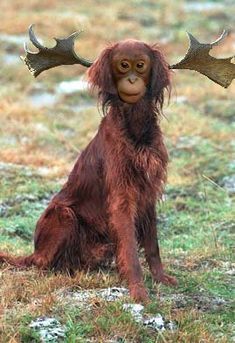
pixel 106 208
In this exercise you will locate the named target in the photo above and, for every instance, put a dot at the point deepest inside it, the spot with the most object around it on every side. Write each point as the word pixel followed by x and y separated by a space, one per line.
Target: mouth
pixel 130 94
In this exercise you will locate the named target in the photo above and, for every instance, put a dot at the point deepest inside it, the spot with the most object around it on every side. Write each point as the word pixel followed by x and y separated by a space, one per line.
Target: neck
pixel 138 121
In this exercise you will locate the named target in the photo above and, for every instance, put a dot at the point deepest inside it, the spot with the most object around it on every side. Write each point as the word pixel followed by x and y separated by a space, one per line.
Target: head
pixel 131 67
pixel 130 71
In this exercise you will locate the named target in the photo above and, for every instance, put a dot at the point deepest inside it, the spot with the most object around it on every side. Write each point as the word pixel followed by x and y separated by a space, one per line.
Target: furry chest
pixel 146 162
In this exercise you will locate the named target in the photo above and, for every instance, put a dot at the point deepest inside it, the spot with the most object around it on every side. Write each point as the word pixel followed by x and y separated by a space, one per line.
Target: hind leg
pixel 57 243
pixel 99 255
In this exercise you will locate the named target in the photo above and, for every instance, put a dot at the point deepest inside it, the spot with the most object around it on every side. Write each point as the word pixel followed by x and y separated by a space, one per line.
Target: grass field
pixel 43 129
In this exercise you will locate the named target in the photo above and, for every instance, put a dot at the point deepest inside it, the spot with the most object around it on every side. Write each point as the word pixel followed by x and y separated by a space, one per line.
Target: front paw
pixel 165 279
pixel 139 293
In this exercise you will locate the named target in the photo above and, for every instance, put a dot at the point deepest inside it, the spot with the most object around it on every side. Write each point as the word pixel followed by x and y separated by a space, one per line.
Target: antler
pixel 221 71
pixel 61 54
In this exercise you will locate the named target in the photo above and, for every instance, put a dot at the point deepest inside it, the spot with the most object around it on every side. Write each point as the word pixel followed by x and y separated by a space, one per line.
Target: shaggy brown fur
pixel 107 206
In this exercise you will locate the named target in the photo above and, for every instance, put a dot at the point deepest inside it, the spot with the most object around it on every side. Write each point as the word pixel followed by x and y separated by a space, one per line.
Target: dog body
pixel 106 208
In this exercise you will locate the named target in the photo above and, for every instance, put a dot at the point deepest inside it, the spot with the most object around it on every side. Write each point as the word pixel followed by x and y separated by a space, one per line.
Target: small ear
pixel 100 73
pixel 160 76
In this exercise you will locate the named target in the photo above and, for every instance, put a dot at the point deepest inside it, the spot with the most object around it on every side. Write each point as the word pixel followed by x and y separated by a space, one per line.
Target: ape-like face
pixel 128 70
pixel 131 66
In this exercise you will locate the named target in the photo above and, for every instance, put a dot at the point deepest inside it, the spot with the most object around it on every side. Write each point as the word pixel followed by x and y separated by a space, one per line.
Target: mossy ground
pixel 39 145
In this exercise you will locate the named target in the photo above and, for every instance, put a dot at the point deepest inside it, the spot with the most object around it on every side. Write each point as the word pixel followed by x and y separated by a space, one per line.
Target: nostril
pixel 132 79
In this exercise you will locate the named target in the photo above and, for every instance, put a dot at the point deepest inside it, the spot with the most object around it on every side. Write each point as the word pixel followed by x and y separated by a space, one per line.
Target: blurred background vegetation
pixel 46 122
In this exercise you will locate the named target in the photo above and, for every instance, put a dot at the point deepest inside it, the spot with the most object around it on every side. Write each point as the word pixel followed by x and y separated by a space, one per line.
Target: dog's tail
pixel 17 261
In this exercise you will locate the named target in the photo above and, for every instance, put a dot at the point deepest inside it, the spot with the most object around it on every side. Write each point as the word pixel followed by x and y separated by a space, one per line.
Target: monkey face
pixel 131 65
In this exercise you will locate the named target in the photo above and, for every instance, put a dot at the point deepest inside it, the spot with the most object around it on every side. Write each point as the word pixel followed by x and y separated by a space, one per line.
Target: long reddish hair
pixel 106 208
pixel 100 76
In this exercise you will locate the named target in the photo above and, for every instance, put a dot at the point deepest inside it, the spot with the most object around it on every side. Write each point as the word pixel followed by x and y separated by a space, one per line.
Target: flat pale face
pixel 131 65
pixel 136 54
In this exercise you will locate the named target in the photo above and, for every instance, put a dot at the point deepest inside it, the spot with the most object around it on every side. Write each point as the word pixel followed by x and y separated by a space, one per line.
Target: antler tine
pixel 61 54
pixel 221 71
pixel 34 39
pixel 223 35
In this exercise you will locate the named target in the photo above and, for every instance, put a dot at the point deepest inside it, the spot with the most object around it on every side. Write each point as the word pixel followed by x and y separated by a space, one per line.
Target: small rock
pixel 112 294
pixel 83 297
pixel 156 322
pixel 49 329
pixel 135 310
pixel 228 183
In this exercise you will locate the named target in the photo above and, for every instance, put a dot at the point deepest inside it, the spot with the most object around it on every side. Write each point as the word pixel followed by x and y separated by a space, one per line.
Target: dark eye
pixel 124 65
pixel 140 65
